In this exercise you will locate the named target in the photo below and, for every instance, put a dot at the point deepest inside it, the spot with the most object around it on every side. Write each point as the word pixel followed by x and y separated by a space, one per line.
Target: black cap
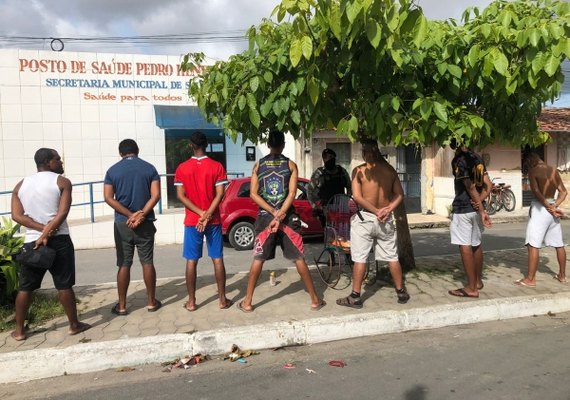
pixel 329 152
pixel 199 139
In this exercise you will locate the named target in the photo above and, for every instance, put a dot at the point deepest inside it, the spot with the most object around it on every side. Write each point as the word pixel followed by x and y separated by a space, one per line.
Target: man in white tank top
pixel 41 203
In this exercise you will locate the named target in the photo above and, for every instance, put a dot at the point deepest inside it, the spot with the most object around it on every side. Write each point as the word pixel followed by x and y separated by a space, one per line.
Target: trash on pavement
pixel 310 371
pixel 337 363
pixel 185 362
pixel 289 365
pixel 236 353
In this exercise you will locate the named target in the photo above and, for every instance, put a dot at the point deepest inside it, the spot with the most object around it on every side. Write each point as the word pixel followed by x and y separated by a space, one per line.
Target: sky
pixel 122 18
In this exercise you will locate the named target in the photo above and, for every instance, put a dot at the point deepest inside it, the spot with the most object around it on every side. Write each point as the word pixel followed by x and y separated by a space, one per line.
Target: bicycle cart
pixel 334 261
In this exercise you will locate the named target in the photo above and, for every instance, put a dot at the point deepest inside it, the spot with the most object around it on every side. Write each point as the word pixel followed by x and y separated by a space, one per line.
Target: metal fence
pixel 93 194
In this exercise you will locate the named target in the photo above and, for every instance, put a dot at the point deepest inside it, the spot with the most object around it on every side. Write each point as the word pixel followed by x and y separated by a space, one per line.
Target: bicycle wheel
pixel 328 267
pixel 492 204
pixel 509 200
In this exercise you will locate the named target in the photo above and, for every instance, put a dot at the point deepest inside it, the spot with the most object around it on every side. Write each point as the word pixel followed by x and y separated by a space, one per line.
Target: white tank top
pixel 40 197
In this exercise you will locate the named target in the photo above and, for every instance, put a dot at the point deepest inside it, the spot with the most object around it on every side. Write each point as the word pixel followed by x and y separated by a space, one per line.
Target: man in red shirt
pixel 200 184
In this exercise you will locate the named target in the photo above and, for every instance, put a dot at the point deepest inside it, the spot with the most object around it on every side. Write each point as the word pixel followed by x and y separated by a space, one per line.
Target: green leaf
pixel 241 102
pixel 251 101
pixel 307 47
pixel 296 117
pixel 473 55
pixel 295 52
pixel 425 109
pixel 500 62
pixel 551 65
pixel 352 11
pixel 254 84
pixel 254 117
pixel 268 77
pixel 352 126
pixel 277 108
pixel 420 30
pixel 454 70
pixel 534 37
pixel 334 19
pixel 313 88
pixel 442 68
pixel 395 103
pixel 266 108
pixel 417 102
pixel 511 86
pixel 440 111
pixel 373 32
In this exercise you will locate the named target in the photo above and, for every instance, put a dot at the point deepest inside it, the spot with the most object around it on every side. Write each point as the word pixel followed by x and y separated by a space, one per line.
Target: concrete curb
pixel 91 357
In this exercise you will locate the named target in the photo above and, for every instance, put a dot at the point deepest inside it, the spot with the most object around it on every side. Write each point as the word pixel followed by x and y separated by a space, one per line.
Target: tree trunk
pixel 404 239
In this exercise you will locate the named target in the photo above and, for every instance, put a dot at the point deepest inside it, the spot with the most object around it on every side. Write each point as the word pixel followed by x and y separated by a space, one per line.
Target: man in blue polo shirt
pixel 132 189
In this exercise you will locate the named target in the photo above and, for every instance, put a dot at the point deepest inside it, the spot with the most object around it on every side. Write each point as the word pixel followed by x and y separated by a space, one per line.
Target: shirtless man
pixel 543 227
pixel 376 188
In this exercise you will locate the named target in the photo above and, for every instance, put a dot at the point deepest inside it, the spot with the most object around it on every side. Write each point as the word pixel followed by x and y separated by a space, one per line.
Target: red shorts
pixel 288 236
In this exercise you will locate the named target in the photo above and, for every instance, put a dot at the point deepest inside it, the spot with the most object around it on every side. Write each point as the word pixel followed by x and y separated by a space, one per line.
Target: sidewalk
pixel 282 315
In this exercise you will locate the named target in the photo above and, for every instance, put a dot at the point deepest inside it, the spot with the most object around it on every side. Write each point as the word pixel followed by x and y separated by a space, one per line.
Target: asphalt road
pixel 521 359
pixel 98 266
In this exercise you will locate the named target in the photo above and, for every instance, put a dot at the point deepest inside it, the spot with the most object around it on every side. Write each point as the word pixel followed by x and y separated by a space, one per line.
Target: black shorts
pixel 288 237
pixel 126 239
pixel 62 270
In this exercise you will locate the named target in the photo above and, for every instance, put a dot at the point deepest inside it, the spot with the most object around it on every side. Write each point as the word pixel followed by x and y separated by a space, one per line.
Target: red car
pixel 239 212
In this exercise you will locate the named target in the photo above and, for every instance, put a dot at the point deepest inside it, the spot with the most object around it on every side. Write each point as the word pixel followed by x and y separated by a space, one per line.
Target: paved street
pixel 510 360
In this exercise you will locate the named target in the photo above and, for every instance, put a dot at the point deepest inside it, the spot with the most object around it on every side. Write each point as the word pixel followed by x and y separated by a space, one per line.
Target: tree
pixel 379 68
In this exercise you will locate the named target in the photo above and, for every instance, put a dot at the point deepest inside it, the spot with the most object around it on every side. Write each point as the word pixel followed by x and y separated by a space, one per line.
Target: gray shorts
pixel 126 239
pixel 466 229
pixel 371 232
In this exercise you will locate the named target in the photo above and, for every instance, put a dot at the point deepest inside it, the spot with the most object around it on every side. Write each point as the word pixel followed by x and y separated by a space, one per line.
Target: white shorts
pixel 466 229
pixel 371 232
pixel 543 228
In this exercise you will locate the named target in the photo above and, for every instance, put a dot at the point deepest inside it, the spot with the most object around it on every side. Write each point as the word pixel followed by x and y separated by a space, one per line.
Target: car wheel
pixel 241 236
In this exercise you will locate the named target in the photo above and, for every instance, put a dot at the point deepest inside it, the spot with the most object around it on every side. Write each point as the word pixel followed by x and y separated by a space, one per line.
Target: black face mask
pixel 329 164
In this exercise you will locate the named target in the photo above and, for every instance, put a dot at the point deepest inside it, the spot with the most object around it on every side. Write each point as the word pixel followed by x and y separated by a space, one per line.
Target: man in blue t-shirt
pixel 472 186
pixel 132 189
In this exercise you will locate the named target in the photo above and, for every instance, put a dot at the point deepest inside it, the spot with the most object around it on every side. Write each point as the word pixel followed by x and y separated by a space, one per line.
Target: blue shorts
pixel 194 241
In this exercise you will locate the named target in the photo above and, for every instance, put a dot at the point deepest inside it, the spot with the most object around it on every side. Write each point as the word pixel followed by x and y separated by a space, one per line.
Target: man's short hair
pixel 198 139
pixel 276 139
pixel 43 156
pixel 328 151
pixel 128 146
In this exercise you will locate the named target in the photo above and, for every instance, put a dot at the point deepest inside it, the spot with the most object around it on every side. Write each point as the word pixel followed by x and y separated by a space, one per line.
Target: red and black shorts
pixel 288 237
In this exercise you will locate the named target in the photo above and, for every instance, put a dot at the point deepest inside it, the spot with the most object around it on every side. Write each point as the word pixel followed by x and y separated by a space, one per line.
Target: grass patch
pixel 44 308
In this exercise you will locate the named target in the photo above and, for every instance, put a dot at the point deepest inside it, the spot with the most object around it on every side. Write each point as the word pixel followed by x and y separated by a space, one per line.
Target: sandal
pixel 350 301
pixel 403 295
pixel 115 310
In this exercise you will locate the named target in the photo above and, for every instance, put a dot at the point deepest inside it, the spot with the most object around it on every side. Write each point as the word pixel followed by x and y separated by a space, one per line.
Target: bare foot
pixel 18 336
pixel 80 327
pixel 190 306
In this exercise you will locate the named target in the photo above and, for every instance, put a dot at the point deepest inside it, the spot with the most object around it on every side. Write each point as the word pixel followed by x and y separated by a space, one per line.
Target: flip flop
pixel 18 338
pixel 229 303
pixel 115 310
pixel 347 302
pixel 557 277
pixel 321 305
pixel 156 307
pixel 462 293
pixel 242 308
pixel 521 282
